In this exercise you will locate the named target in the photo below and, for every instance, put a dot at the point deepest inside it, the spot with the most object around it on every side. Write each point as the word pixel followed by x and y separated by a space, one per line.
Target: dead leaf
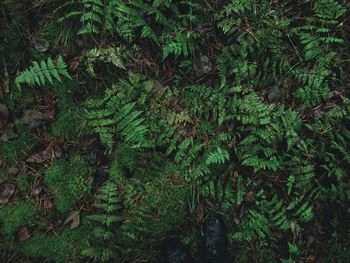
pixel 158 89
pixel 334 93
pixel 38 190
pixel 250 197
pixel 40 157
pixel 6 191
pixel 33 118
pixel 48 204
pixel 310 240
pixel 56 151
pixel 87 141
pixel 13 171
pixel 23 234
pixel 49 115
pixel 311 259
pixel 74 219
pixel 41 45
pixel 4 116
pixel 8 133
pixel 52 151
pixel 187 129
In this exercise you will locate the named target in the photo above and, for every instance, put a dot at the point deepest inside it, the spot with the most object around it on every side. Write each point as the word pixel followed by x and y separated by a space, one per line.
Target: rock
pixel 202 65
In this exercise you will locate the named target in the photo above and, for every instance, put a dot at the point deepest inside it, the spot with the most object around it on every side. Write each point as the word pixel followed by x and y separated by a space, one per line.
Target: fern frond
pixel 220 156
pixel 42 72
pixel 91 17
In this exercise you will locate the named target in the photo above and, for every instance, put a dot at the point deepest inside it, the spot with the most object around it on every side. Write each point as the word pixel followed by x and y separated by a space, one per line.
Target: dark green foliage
pixel 145 139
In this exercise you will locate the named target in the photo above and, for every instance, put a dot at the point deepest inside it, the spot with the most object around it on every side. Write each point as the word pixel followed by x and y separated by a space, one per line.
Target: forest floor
pixel 123 123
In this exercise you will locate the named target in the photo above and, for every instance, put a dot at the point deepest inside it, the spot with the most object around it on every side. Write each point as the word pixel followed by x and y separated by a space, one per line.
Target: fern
pixel 182 44
pixel 91 18
pixel 108 204
pixel 315 87
pixel 277 213
pixel 220 156
pixel 43 72
pixel 122 119
pixel 317 37
pixel 107 55
pixel 228 23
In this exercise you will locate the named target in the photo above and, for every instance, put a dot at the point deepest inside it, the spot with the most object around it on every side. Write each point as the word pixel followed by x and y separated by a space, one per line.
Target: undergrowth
pixel 144 116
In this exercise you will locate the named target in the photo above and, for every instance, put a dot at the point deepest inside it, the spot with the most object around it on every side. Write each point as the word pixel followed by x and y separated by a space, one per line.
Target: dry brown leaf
pixel 48 204
pixel 40 157
pixel 41 45
pixel 23 234
pixel 56 151
pixel 311 259
pixel 87 141
pixel 187 129
pixel 5 193
pixel 250 197
pixel 38 190
pixel 49 115
pixel 73 219
pixel 13 171
pixel 4 116
pixel 33 118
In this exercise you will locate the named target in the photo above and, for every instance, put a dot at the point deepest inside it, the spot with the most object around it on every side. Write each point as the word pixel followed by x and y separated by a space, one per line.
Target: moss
pixel 68 181
pixel 13 216
pixel 13 150
pixel 15 100
pixel 68 113
pixel 23 183
pixel 64 92
pixel 65 246
pixel 125 156
pixel 155 207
